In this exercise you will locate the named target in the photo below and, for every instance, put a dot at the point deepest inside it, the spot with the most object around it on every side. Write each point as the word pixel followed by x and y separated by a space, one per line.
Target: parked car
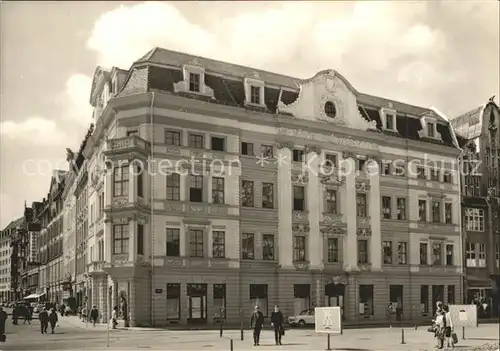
pixel 305 317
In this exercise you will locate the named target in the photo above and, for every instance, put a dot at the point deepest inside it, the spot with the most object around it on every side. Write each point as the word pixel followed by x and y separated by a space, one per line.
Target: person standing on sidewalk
pixel 53 319
pixel 257 321
pixel 114 317
pixel 277 323
pixel 44 320
pixel 3 320
pixel 94 314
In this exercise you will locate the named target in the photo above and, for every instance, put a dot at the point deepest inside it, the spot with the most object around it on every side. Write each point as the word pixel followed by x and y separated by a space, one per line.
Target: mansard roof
pixel 227 81
pixel 469 124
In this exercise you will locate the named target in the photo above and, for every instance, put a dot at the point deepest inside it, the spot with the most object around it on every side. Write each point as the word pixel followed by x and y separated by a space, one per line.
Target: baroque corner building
pixel 478 133
pixel 214 187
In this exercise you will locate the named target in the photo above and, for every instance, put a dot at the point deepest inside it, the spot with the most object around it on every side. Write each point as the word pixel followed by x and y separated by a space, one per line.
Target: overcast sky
pixel 441 54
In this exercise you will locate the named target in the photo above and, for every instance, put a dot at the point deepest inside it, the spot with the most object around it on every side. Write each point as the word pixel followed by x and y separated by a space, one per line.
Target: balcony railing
pixel 128 143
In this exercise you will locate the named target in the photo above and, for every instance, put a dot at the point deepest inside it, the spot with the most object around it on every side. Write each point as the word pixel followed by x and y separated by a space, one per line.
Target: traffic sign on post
pixel 328 320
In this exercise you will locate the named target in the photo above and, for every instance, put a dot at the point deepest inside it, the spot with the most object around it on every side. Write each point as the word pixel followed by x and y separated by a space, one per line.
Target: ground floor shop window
pixel 451 295
pixel 197 298
pixel 366 300
pixel 173 301
pixel 258 297
pixel 220 301
pixel 302 297
pixel 424 299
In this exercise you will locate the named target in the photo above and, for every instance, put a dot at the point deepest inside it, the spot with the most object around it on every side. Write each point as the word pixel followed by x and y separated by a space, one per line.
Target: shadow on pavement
pixel 485 339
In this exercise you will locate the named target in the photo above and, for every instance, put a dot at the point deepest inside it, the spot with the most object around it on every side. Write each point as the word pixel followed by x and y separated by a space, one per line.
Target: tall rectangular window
pixel 436 211
pixel 361 205
pixel 173 242
pixel 482 255
pixel 120 180
pixel 386 207
pixel 196 242
pixel 437 254
pixel 298 198
pixel 173 302
pixel 333 250
pixel 218 190
pixel 298 155
pixel 258 297
pixel 301 298
pixel 120 238
pixel 401 208
pixel 451 295
pixel 267 195
pixel 299 248
pixel 247 194
pixel 402 253
pixel 449 255
pixel 424 260
pixel 366 306
pixel 247 246
pixel 435 174
pixel 247 149
pixel 422 210
pixel 421 173
pixel 140 180
pixel 194 82
pixel 363 251
pixel 173 187
pixel 387 247
pixel 331 201
pixel 218 244
pixel 172 138
pixel 140 239
pixel 448 213
pixel 470 255
pixel 196 188
pixel 268 247
pixel 474 219
pixel 255 95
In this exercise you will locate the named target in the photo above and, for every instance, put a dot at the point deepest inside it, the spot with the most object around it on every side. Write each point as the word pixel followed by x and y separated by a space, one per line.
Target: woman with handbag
pixel 449 327
pixel 440 328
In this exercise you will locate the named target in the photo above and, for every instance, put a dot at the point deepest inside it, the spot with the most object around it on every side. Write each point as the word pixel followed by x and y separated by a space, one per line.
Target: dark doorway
pixel 197 297
pixel 437 295
pixel 396 301
pixel 334 296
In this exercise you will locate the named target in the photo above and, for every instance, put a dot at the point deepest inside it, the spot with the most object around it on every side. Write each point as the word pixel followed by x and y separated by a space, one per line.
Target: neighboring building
pixel 15 231
pixel 6 276
pixel 50 240
pixel 179 246
pixel 479 136
pixel 31 267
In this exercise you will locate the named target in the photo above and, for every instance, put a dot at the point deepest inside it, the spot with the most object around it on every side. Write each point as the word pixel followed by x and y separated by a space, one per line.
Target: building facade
pixel 50 240
pixel 31 267
pixel 226 187
pixel 16 231
pixel 479 136
pixel 8 278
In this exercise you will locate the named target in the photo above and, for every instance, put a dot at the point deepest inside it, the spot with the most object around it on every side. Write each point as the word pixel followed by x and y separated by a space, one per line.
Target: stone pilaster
pixel 285 236
pixel 132 182
pixel 103 299
pixel 108 240
pixel 374 210
pixel 108 186
pixel 350 253
pixel 314 197
pixel 131 303
pixel 132 240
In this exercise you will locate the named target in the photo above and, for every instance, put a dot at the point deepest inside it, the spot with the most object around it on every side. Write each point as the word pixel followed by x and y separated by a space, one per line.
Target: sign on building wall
pixel 463 315
pixel 328 320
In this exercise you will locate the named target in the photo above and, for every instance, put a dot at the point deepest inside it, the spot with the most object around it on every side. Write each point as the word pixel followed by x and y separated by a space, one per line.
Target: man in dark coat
pixel 53 319
pixel 3 319
pixel 277 323
pixel 44 320
pixel 256 323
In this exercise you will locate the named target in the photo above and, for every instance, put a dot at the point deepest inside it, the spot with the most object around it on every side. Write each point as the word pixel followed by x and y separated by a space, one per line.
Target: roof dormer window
pixel 388 118
pixel 254 91
pixel 193 82
pixel 429 128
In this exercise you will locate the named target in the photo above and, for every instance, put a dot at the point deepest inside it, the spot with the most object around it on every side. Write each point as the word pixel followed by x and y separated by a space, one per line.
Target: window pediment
pixel 193 82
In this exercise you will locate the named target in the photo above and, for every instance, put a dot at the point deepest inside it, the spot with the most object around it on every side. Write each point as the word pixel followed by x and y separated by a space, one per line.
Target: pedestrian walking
pixel 3 320
pixel 79 311
pixel 63 310
pixel 84 313
pixel 94 314
pixel 448 327
pixel 114 317
pixel 53 319
pixel 256 322
pixel 277 323
pixel 44 320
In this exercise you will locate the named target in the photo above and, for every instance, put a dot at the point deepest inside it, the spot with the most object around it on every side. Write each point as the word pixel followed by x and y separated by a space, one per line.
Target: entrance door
pixel 334 296
pixel 197 297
